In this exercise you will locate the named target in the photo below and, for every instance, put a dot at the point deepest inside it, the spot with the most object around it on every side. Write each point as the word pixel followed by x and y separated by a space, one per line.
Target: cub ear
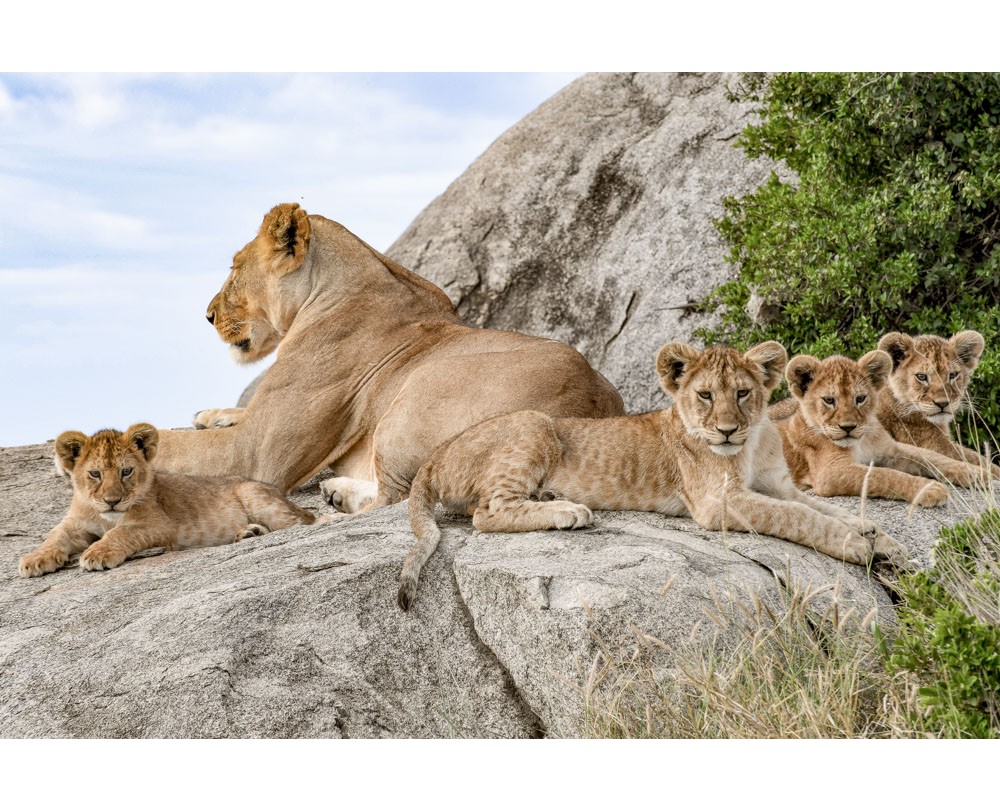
pixel 897 345
pixel 875 366
pixel 286 227
pixel 69 446
pixel 144 437
pixel 672 362
pixel 772 359
pixel 800 372
pixel 969 346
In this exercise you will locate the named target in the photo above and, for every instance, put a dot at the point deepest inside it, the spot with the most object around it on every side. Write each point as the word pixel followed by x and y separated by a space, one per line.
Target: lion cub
pixel 928 381
pixel 831 433
pixel 118 500
pixel 714 455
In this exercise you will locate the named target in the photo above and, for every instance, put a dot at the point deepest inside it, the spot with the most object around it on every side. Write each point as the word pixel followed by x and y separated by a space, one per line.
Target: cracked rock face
pixel 296 633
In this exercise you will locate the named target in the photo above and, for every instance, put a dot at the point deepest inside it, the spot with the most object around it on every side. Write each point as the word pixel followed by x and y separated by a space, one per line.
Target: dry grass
pixel 775 671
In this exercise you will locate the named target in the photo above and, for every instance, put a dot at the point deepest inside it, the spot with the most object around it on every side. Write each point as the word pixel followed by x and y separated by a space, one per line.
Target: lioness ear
pixel 287 228
pixel 800 373
pixel 875 366
pixel 969 346
pixel 69 446
pixel 672 362
pixel 772 359
pixel 897 345
pixel 144 437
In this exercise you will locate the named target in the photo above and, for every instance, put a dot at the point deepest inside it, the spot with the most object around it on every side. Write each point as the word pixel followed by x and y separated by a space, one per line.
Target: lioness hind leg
pixel 528 516
pixel 265 505
pixel 217 417
pixel 348 495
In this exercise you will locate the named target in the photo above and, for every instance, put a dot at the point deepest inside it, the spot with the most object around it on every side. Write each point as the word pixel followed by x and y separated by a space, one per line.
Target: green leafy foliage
pixel 949 637
pixel 892 221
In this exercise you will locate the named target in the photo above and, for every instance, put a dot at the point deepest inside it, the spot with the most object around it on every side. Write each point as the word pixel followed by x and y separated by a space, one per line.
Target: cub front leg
pixel 65 540
pixel 120 542
pixel 976 459
pixel 922 462
pixel 841 478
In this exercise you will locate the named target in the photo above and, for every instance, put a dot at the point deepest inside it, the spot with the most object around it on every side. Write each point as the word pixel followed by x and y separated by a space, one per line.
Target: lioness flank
pixel 121 507
pixel 714 455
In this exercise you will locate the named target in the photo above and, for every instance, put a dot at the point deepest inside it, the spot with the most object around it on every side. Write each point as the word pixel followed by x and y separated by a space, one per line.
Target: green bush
pixel 891 223
pixel 949 637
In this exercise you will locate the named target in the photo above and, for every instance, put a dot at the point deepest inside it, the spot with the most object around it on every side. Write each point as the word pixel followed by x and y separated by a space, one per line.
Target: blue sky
pixel 124 196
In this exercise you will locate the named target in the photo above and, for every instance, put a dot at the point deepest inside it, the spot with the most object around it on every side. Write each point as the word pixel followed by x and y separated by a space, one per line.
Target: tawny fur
pixel 375 370
pixel 927 388
pixel 831 434
pixel 714 455
pixel 121 507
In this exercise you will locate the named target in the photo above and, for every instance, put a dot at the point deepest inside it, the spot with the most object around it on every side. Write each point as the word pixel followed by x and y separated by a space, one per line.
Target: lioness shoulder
pixel 121 506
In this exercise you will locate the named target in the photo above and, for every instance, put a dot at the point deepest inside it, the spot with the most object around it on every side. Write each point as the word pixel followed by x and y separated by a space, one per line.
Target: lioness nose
pixel 210 315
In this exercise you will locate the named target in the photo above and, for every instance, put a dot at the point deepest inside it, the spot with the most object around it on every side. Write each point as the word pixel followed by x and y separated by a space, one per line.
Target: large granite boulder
pixel 297 634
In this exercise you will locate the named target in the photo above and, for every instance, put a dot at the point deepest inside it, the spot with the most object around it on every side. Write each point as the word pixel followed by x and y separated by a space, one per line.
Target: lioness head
pixel 258 301
pixel 837 396
pixel 721 395
pixel 110 469
pixel 930 374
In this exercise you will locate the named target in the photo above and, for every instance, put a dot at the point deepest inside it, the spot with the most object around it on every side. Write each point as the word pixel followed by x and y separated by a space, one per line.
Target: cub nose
pixel 726 432
pixel 848 428
pixel 111 502
pixel 940 405
pixel 210 315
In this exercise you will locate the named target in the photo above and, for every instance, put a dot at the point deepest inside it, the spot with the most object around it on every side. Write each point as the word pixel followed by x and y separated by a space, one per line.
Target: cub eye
pixel 952 375
pixel 126 472
pixel 829 400
pixel 705 395
pixel 742 393
pixel 94 474
pixel 860 398
pixel 921 377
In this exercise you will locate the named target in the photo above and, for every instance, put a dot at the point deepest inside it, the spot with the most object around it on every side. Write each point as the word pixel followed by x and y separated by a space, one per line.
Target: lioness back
pixel 121 506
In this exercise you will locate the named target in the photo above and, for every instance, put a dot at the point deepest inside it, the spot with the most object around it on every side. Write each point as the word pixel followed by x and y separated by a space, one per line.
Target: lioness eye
pixel 860 398
pixel 705 395
pixel 921 377
pixel 126 472
pixel 94 474
pixel 829 400
pixel 742 393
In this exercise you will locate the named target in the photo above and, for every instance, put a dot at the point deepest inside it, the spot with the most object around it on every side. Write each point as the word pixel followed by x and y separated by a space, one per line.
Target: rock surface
pixel 591 220
pixel 296 634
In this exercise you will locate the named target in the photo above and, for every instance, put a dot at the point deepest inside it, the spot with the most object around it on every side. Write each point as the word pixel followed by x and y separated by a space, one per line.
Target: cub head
pixel 837 396
pixel 256 305
pixel 720 395
pixel 110 470
pixel 930 374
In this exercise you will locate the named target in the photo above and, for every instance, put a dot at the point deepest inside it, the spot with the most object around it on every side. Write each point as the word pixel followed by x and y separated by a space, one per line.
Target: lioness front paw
pixel 101 556
pixel 348 495
pixel 933 494
pixel 41 562
pixel 217 418
pixel 572 516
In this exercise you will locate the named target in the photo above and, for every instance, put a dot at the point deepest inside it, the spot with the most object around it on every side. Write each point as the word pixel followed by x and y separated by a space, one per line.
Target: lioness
pixel 375 368
pixel 121 507
pixel 927 385
pixel 714 455
pixel 831 433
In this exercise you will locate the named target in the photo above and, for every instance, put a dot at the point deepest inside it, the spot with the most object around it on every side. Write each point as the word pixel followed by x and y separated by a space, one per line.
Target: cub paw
pixel 348 495
pixel 250 531
pixel 41 562
pixel 99 556
pixel 856 548
pixel 933 494
pixel 572 516
pixel 891 551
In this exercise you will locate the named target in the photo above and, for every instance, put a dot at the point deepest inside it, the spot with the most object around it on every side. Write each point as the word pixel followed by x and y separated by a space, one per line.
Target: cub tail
pixel 423 500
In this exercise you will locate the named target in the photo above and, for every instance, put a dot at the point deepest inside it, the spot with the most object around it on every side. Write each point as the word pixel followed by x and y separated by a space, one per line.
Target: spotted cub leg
pixel 65 540
pixel 268 510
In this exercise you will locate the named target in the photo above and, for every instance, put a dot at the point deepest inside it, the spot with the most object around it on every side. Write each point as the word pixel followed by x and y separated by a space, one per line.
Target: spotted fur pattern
pixel 120 507
pixel 714 455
